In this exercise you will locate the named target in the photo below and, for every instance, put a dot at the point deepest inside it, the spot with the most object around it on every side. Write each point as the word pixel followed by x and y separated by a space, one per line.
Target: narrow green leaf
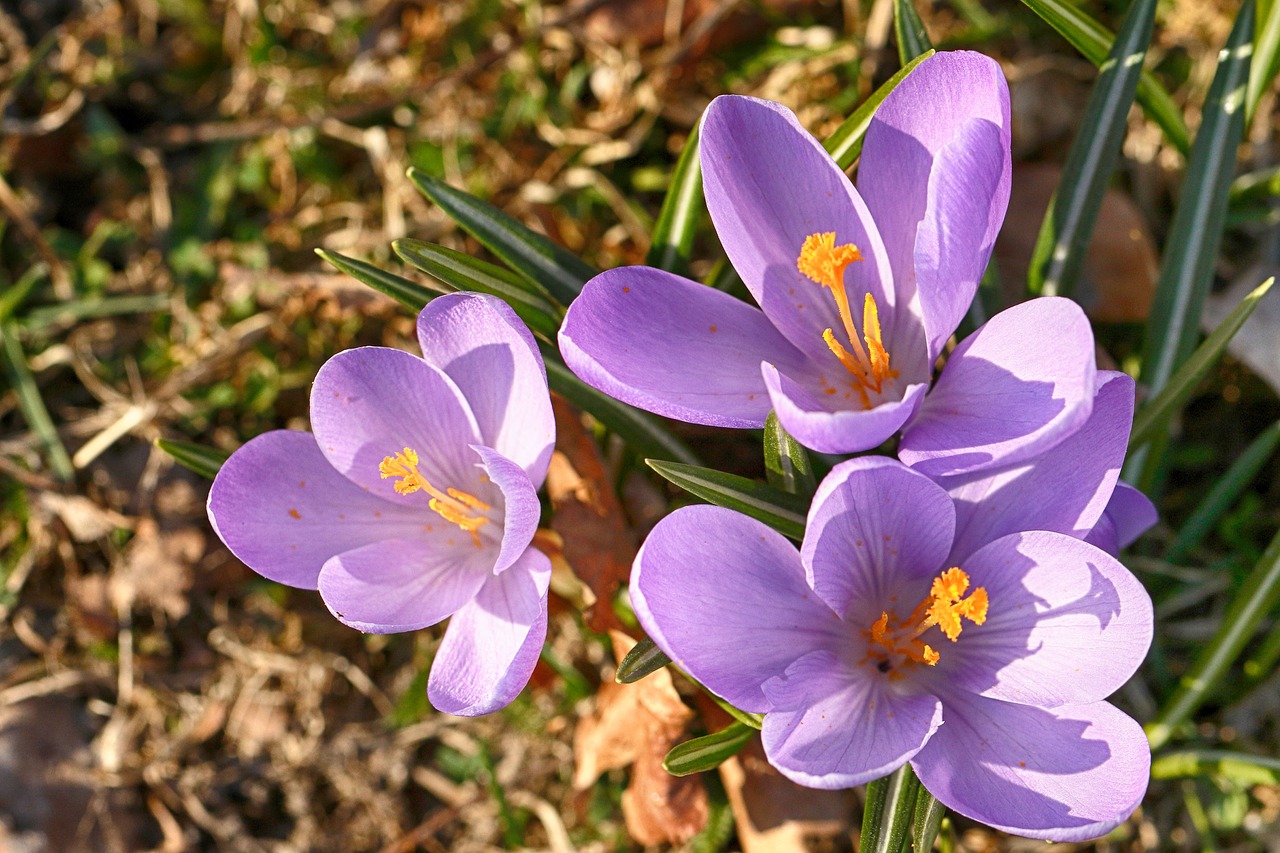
pixel 410 294
pixel 459 271
pixel 845 144
pixel 755 721
pixel 645 658
pixel 682 207
pixel 709 751
pixel 640 430
pixel 1225 492
pixel 783 512
pixel 786 463
pixel 1093 41
pixel 908 29
pixel 1239 767
pixel 1068 224
pixel 14 295
pixel 1266 55
pixel 1255 600
pixel 1260 186
pixel 202 459
pixel 32 404
pixel 1262 663
pixel 527 252
pixel 927 821
pixel 890 832
pixel 65 314
pixel 1154 417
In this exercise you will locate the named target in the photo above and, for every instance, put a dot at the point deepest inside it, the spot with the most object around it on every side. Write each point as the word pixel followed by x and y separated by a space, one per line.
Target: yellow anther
pixel 824 262
pixel 453 505
pixel 944 607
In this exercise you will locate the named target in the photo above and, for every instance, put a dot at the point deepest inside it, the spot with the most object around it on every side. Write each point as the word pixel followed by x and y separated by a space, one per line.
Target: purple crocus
pixel 871 646
pixel 858 289
pixel 415 500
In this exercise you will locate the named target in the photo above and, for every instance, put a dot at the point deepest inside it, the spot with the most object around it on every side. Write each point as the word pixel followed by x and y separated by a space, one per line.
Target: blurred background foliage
pixel 167 169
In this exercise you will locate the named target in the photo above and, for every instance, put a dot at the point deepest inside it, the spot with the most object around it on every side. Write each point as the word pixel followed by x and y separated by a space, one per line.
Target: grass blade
pixel 1153 418
pixel 640 430
pixel 845 144
pixel 1255 600
pixel 204 460
pixel 1094 41
pixel 645 658
pixel 459 271
pixel 32 404
pixel 908 29
pixel 530 254
pixel 887 830
pixel 783 512
pixel 1266 55
pixel 927 821
pixel 1224 493
pixel 1245 769
pixel 410 294
pixel 786 463
pixel 1064 235
pixel 709 751
pixel 682 208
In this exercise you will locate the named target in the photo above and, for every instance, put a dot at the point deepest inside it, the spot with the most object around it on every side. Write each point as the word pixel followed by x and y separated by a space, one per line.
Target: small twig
pixel 17 211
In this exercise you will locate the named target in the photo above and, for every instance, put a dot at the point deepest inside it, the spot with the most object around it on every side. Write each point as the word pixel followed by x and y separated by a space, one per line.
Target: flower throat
pixel 824 262
pixel 453 505
pixel 945 606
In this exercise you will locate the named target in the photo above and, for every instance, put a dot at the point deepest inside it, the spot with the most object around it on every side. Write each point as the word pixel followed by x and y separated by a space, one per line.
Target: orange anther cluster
pixel 453 505
pixel 944 607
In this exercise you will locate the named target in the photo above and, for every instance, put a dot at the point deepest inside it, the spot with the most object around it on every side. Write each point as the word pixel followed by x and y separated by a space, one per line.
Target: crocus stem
pixel 927 821
pixel 886 821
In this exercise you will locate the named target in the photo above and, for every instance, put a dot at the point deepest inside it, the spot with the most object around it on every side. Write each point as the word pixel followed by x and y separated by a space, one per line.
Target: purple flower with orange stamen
pixel 416 498
pixel 858 289
pixel 875 644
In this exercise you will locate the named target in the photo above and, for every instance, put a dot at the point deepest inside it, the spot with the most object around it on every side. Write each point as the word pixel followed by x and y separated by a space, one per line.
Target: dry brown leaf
pixel 637 724
pixel 774 814
pixel 156 569
pixel 598 542
pixel 85 520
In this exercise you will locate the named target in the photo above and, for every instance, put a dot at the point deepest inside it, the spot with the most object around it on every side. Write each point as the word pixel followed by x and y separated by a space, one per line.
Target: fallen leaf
pixel 597 540
pixel 774 814
pixel 637 724
pixel 85 520
pixel 156 568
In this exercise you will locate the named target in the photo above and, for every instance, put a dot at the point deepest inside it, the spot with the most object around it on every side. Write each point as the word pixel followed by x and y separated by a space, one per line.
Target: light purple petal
pixel 1011 390
pixel 1063 774
pixel 672 346
pixel 769 185
pixel 877 532
pixel 405 584
pixel 521 509
pixel 725 597
pixel 1066 623
pixel 968 189
pixel 931 116
pixel 1064 489
pixel 829 728
pixel 827 423
pixel 1129 514
pixel 492 357
pixel 493 643
pixel 371 402
pixel 283 510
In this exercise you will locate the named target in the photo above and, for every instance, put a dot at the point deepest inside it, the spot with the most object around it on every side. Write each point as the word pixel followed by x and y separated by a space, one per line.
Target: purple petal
pixel 829 728
pixel 521 510
pixel 371 402
pixel 769 185
pixel 932 116
pixel 493 643
pixel 283 510
pixel 1064 489
pixel 1066 623
pixel 405 584
pixel 492 357
pixel 725 596
pixel 674 347
pixel 1065 774
pixel 825 422
pixel 877 532
pixel 1128 515
pixel 1011 390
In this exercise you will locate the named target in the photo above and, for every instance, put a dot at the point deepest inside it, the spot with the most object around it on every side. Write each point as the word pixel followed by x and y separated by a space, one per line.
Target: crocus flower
pixel 858 289
pixel 870 647
pixel 415 499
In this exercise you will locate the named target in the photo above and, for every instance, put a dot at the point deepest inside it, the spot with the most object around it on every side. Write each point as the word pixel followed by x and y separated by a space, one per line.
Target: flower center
pixel 825 262
pixel 454 506
pixel 944 607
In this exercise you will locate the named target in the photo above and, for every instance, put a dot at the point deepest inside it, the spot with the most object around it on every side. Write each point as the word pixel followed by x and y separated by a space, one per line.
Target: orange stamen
pixel 453 505
pixel 944 607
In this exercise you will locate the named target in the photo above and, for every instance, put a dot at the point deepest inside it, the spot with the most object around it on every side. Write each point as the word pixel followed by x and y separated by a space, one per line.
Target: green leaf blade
pixel 645 658
pixel 783 512
pixel 909 31
pixel 202 459
pixel 410 294
pixel 682 208
pixel 845 144
pixel 709 751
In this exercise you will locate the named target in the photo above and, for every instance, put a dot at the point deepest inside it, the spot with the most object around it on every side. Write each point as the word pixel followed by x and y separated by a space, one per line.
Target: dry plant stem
pixel 17 211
